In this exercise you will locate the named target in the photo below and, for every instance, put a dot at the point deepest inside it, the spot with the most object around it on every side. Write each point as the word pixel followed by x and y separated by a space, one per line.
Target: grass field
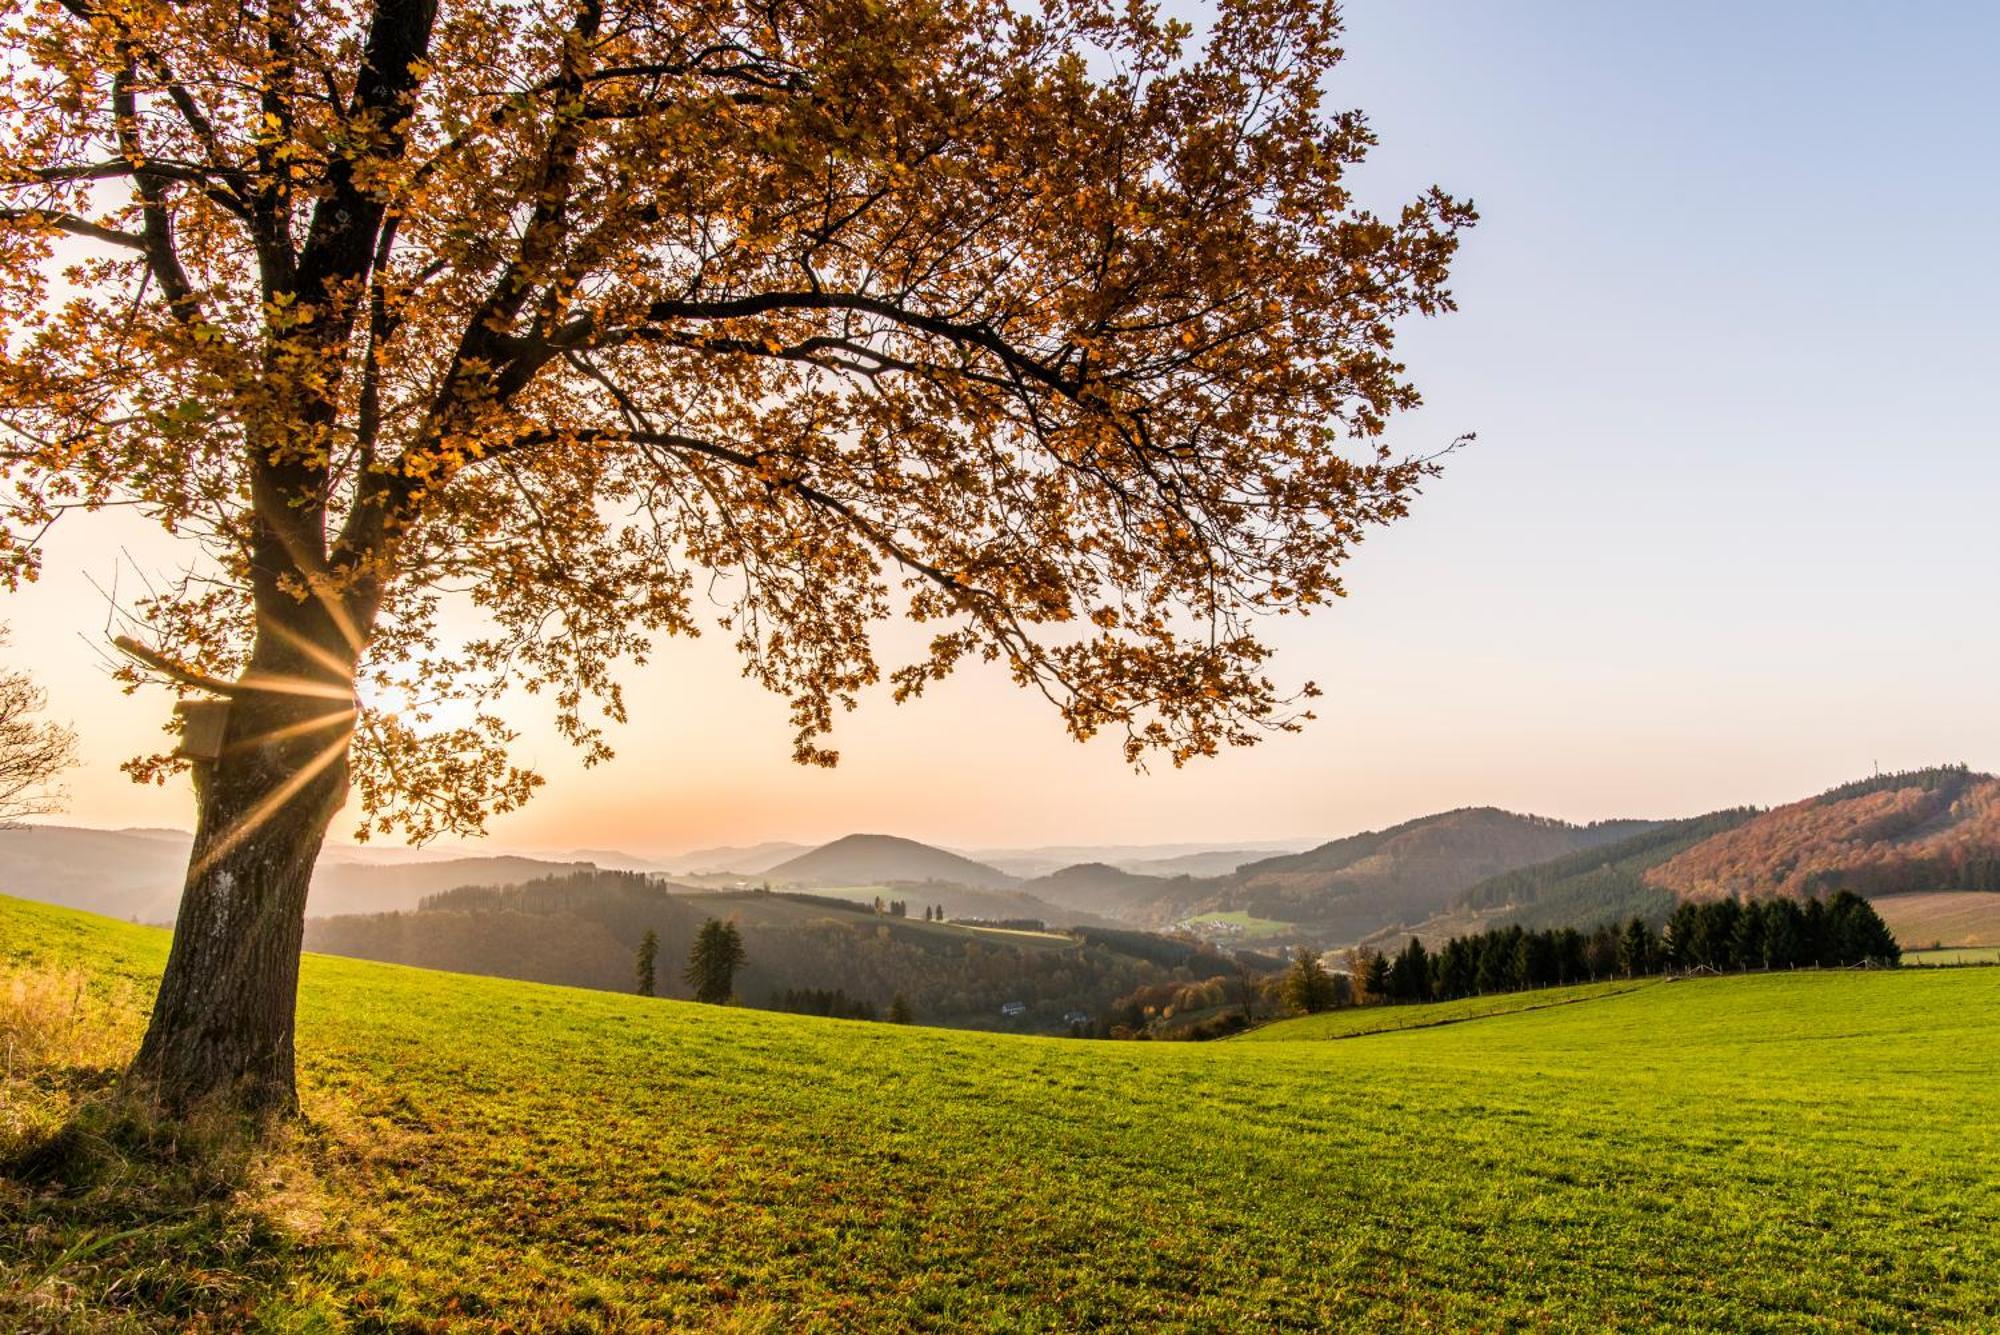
pixel 1810 1151
pixel 1358 1020
pixel 1950 917
pixel 1251 928
pixel 1954 955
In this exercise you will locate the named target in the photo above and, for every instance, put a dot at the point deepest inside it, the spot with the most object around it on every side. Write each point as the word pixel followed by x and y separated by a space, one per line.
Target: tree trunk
pixel 222 1022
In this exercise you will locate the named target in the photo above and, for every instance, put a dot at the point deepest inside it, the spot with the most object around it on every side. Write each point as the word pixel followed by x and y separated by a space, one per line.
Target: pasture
pixel 1800 1151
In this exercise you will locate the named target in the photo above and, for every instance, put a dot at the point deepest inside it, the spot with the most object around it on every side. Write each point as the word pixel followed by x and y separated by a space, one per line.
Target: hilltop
pixel 1923 846
pixel 1348 888
pixel 1935 829
pixel 884 859
pixel 1097 887
pixel 1811 1148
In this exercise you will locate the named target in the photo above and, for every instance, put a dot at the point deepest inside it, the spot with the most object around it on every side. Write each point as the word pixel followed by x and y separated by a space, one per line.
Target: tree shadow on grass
pixel 114 1216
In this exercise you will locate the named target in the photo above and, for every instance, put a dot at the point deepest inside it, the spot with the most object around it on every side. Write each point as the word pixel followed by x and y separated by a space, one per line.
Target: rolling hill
pixel 1096 887
pixel 1349 888
pixel 582 930
pixel 1922 846
pixel 742 861
pixel 137 874
pixel 884 859
pixel 1811 1150
pixel 1925 830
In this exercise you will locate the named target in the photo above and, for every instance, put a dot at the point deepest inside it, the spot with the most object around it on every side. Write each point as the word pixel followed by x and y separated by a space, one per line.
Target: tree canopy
pixel 1051 328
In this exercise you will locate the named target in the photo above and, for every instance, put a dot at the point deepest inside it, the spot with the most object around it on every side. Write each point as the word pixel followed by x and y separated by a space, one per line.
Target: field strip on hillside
pixel 1364 1021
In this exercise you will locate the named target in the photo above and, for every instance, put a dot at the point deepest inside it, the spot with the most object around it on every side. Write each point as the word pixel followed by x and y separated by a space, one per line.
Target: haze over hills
pixel 747 860
pixel 582 929
pixel 1099 888
pixel 1182 859
pixel 1931 831
pixel 137 874
pixel 883 859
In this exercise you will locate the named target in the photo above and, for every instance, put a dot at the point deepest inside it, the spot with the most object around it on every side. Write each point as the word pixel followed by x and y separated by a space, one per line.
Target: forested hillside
pixel 1924 830
pixel 583 930
pixel 1347 889
pixel 1601 884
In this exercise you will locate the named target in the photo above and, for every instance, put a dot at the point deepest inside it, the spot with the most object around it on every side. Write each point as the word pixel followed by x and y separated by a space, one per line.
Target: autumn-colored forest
pixel 1935 829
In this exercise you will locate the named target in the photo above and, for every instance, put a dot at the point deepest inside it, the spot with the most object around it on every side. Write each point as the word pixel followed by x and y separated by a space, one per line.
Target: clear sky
pixel 1730 533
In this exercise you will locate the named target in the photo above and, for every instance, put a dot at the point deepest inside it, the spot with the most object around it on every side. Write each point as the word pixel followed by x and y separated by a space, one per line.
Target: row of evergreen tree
pixel 837 1004
pixel 1722 935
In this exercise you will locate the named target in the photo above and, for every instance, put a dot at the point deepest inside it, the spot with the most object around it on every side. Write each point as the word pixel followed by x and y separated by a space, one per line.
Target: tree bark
pixel 222 1023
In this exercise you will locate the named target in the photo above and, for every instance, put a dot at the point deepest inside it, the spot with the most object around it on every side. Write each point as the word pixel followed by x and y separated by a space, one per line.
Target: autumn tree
pixel 33 750
pixel 713 959
pixel 1049 328
pixel 1308 988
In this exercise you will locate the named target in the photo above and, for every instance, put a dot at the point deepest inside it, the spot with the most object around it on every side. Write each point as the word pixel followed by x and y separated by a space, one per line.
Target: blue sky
pixel 1730 532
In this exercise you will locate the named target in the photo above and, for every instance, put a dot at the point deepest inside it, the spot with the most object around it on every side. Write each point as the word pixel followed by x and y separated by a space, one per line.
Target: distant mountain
pixel 120 873
pixel 1350 888
pixel 1208 862
pixel 882 859
pixel 1145 859
pixel 752 860
pixel 1924 830
pixel 138 873
pixel 1096 887
pixel 359 888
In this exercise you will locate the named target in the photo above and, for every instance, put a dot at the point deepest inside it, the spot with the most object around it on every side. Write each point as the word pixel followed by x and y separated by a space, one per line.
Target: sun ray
pixel 326 720
pixel 285 684
pixel 325 657
pixel 263 811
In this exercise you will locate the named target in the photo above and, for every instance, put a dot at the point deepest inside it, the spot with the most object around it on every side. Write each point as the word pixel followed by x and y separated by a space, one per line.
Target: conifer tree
pixel 713 960
pixel 649 952
pixel 1636 948
pixel 1374 978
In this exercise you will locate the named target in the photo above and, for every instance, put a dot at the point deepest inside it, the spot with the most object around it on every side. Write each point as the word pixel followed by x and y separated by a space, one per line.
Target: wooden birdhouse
pixel 203 723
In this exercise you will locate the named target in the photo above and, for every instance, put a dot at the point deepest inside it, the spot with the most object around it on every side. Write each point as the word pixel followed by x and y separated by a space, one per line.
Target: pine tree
pixel 1636 948
pixel 900 1012
pixel 1374 975
pixel 649 951
pixel 1410 975
pixel 1746 940
pixel 713 960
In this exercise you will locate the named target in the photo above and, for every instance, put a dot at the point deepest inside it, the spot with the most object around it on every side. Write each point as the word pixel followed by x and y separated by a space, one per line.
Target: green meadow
pixel 1252 927
pixel 1352 1021
pixel 1807 1151
pixel 1949 955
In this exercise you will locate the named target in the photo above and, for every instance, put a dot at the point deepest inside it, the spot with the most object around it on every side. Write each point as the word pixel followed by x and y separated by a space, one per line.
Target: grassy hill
pixel 868 859
pixel 1811 1151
